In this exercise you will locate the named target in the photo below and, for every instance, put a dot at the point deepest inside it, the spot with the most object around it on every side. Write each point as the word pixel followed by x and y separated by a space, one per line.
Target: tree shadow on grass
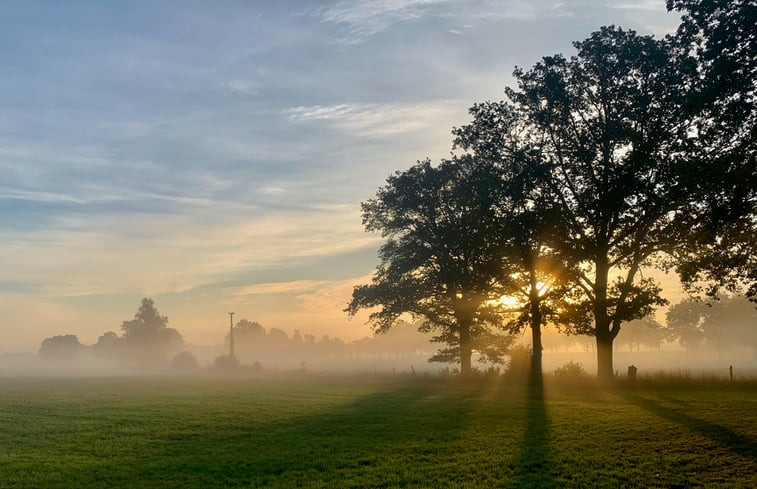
pixel 735 442
pixel 534 467
pixel 378 440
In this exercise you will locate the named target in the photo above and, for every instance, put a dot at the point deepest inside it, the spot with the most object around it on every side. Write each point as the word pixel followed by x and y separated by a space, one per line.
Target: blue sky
pixel 213 155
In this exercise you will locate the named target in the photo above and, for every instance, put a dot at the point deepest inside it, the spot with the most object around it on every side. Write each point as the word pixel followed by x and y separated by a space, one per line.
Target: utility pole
pixel 231 334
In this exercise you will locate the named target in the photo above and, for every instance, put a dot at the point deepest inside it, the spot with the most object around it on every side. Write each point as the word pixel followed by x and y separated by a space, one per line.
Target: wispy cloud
pixel 294 286
pixel 365 18
pixel 377 119
pixel 651 5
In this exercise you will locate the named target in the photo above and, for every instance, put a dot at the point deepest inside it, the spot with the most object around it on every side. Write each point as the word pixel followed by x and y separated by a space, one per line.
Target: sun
pixel 509 301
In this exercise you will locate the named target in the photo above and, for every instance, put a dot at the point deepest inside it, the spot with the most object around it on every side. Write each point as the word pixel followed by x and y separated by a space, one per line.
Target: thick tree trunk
pixel 605 372
pixel 602 321
pixel 466 350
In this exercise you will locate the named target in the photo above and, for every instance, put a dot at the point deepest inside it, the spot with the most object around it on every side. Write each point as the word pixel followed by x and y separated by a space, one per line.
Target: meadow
pixel 394 431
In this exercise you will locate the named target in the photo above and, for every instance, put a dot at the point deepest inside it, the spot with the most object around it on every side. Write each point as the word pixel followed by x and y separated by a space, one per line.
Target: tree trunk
pixel 536 318
pixel 605 372
pixel 465 348
pixel 602 321
pixel 536 353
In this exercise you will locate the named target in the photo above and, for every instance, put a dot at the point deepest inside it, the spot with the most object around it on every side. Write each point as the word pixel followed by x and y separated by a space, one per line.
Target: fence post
pixel 730 370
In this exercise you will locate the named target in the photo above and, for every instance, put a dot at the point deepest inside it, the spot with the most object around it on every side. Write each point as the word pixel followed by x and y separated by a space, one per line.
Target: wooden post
pixel 730 370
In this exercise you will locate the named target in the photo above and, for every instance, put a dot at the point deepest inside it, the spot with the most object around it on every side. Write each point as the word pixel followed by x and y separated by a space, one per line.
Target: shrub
pixel 226 363
pixel 185 361
pixel 571 372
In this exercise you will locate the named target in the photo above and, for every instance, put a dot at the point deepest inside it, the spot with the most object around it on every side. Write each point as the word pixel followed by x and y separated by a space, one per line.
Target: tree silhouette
pixel 719 229
pixel 725 323
pixel 609 126
pixel 147 337
pixel 64 348
pixel 645 331
pixel 442 260
pixel 526 216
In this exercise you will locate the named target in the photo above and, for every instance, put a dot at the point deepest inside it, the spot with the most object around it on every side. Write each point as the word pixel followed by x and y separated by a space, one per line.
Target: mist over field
pixel 647 344
pixel 378 244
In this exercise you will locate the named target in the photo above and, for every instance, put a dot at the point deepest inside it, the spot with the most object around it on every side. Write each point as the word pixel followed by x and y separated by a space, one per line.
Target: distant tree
pixel 728 322
pixel 276 335
pixel 684 323
pixel 64 348
pixel 646 331
pixel 107 345
pixel 736 317
pixel 297 337
pixel 147 337
pixel 185 361
pixel 245 327
pixel 226 363
pixel 441 261
pixel 249 338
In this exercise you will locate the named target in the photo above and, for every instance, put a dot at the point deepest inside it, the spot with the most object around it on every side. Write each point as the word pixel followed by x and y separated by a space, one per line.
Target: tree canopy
pixel 634 153
pixel 442 260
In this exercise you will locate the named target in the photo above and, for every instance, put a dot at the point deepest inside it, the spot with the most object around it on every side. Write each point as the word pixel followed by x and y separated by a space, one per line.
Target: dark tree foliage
pixel 63 348
pixel 720 229
pixel 526 217
pixel 442 260
pixel 610 125
pixel 147 336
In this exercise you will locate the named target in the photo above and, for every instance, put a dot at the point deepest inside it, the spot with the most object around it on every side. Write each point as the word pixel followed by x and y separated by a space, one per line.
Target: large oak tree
pixel 441 261
pixel 610 125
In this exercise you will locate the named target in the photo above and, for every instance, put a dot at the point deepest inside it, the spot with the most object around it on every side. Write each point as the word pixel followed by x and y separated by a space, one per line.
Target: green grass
pixel 369 432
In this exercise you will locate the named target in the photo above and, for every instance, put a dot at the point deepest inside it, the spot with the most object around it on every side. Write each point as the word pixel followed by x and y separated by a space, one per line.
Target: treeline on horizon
pixel 634 153
pixel 148 344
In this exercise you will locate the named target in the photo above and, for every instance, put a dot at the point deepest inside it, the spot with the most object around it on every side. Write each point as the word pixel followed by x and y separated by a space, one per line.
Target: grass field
pixel 371 432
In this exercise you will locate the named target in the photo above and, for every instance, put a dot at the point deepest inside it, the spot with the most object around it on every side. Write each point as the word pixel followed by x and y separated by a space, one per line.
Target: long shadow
pixel 735 442
pixel 534 466
pixel 362 437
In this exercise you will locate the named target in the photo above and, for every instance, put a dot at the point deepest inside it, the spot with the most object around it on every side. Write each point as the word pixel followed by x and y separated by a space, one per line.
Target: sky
pixel 213 155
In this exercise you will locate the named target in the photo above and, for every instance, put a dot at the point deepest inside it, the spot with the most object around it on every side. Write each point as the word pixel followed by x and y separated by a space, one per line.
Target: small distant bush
pixel 571 372
pixel 185 361
pixel 226 363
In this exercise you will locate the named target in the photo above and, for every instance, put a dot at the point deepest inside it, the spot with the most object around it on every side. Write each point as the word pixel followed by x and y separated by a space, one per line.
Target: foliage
pixel 719 227
pixel 727 322
pixel 64 348
pixel 571 372
pixel 525 215
pixel 226 363
pixel 185 361
pixel 608 122
pixel 442 260
pixel 646 331
pixel 147 337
